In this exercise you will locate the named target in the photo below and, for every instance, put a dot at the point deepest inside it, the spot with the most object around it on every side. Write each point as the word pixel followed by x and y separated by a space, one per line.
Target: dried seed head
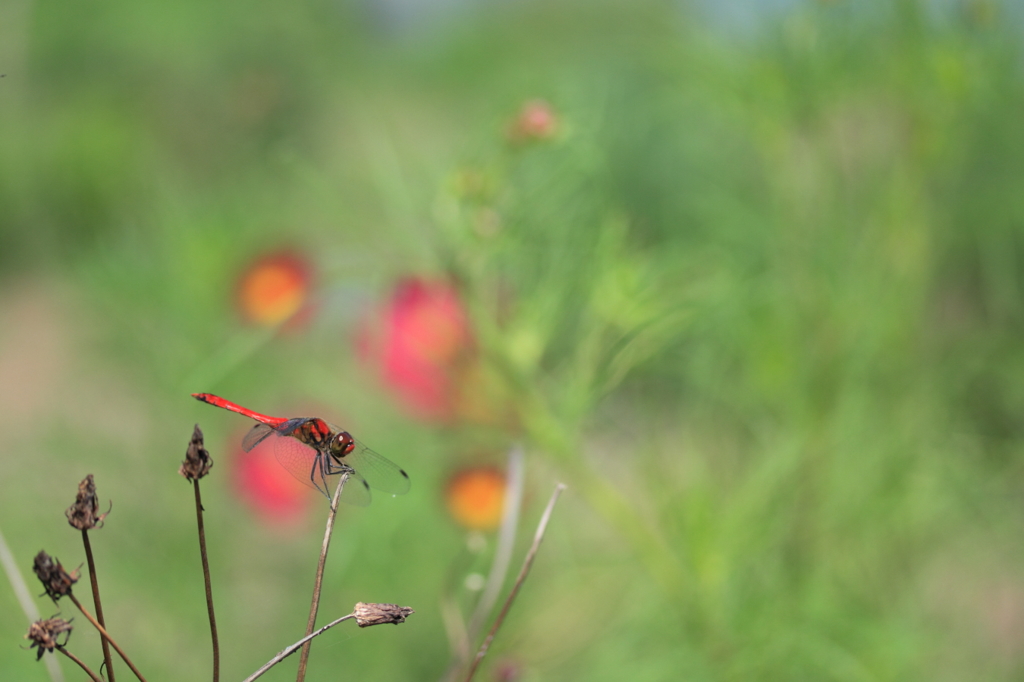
pixel 197 458
pixel 56 581
pixel 44 633
pixel 378 614
pixel 83 513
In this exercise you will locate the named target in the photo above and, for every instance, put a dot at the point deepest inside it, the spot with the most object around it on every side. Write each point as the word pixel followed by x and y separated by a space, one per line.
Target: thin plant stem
pixel 523 572
pixel 288 651
pixel 545 429
pixel 458 636
pixel 311 623
pixel 506 542
pixel 28 606
pixel 206 577
pixel 17 581
pixel 83 666
pixel 106 636
pixel 96 602
pixel 461 634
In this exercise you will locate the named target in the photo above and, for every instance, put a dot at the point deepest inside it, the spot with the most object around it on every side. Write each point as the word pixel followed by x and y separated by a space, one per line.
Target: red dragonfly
pixel 311 450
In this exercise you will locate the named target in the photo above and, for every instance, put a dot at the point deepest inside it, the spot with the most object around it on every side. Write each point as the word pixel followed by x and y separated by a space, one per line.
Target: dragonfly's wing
pixel 256 435
pixel 304 463
pixel 288 428
pixel 380 472
pixel 356 491
pixel 300 460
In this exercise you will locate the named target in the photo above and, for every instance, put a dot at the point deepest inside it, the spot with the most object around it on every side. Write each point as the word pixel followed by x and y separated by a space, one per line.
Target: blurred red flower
pixel 265 486
pixel 419 343
pixel 508 671
pixel 475 497
pixel 535 121
pixel 274 288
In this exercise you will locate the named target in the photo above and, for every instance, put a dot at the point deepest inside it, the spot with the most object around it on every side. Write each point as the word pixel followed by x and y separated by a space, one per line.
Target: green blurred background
pixel 758 301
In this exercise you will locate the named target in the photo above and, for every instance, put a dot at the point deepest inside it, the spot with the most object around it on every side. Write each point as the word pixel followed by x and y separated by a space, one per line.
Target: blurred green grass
pixel 765 323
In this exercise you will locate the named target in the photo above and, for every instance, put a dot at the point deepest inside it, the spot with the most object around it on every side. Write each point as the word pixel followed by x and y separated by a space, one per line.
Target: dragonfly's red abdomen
pixel 217 401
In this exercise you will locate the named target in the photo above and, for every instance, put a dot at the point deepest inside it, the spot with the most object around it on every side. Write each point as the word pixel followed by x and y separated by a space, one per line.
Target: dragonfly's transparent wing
pixel 304 463
pixel 256 435
pixel 357 490
pixel 288 428
pixel 299 459
pixel 380 472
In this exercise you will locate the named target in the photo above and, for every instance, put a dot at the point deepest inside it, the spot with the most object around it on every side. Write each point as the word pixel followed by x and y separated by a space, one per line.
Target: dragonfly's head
pixel 342 444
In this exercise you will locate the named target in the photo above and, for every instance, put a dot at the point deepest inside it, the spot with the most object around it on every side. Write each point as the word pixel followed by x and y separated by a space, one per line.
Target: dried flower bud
pixel 83 513
pixel 44 633
pixel 378 614
pixel 56 581
pixel 197 458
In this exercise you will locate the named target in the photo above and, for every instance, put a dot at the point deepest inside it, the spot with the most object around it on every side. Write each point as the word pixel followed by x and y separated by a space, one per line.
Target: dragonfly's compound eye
pixel 342 444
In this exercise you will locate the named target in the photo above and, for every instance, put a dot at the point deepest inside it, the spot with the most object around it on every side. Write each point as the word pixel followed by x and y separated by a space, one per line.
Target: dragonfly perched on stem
pixel 311 450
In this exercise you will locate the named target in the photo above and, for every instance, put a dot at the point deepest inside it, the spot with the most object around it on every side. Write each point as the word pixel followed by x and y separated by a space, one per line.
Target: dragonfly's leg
pixel 323 475
pixel 316 470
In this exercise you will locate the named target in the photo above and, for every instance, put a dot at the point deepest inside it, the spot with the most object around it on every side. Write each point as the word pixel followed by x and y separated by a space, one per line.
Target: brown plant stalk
pixel 206 579
pixel 196 465
pixel 365 615
pixel 106 636
pixel 523 572
pixel 83 666
pixel 314 607
pixel 84 515
pixel 97 604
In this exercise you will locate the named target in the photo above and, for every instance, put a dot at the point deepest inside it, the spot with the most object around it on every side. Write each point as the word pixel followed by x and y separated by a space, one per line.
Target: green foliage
pixel 757 300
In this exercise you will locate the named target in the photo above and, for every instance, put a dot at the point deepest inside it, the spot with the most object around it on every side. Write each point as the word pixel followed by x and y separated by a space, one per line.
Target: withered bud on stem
pixel 197 458
pixel 44 633
pixel 379 614
pixel 83 513
pixel 56 581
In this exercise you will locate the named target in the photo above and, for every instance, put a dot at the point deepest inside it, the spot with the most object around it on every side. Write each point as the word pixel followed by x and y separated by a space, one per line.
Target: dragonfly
pixel 313 450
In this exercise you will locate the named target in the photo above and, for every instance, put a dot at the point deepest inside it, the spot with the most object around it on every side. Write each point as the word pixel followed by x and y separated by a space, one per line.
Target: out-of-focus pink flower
pixel 535 121
pixel 420 344
pixel 265 486
pixel 475 497
pixel 508 671
pixel 275 288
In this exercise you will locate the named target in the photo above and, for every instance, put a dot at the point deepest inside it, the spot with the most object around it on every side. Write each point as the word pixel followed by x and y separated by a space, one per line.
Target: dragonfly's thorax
pixel 314 432
pixel 342 443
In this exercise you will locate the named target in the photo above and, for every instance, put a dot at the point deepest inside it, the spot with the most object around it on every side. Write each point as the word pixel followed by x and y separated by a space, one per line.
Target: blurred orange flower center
pixel 272 292
pixel 476 498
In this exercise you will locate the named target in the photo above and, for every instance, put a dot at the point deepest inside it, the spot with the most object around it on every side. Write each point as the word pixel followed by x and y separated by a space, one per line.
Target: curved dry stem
pixel 506 541
pixel 96 602
pixel 288 651
pixel 523 572
pixel 311 623
pixel 106 636
pixel 460 634
pixel 83 666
